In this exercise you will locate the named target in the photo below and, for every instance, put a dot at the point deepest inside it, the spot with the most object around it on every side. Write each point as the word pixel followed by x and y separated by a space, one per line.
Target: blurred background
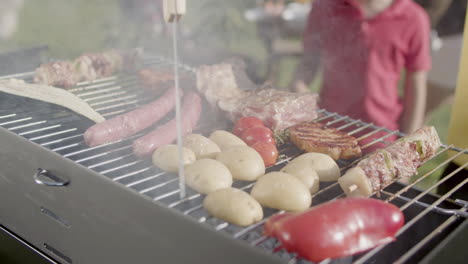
pixel 266 34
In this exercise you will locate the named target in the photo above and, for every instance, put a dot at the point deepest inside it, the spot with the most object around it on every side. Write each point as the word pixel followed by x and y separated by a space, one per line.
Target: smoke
pixel 9 17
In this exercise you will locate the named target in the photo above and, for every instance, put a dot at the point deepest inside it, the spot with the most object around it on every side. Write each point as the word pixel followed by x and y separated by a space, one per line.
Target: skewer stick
pixel 173 10
pixel 352 188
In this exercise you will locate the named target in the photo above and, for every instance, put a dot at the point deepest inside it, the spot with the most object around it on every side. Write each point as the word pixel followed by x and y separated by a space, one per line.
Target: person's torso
pixel 362 61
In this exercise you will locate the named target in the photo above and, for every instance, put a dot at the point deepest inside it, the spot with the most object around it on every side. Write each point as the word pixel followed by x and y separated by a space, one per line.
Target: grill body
pixel 118 208
pixel 95 220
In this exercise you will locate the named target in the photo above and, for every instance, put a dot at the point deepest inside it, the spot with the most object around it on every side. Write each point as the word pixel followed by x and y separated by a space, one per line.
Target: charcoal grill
pixel 109 206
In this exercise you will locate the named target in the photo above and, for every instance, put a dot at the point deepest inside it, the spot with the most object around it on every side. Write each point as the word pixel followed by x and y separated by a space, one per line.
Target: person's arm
pixel 306 71
pixel 310 62
pixel 414 101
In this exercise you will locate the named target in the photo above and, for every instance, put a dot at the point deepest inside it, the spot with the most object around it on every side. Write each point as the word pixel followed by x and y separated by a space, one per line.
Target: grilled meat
pixel 227 86
pixel 87 67
pixel 156 80
pixel 398 160
pixel 314 137
pixel 125 125
pixel 167 133
pixel 59 73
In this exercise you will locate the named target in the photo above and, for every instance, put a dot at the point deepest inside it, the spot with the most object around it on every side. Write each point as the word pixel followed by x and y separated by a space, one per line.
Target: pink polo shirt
pixel 363 59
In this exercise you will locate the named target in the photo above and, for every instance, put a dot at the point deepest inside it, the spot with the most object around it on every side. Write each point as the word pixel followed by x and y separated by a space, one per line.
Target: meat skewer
pixel 398 160
pixel 87 67
pixel 50 95
pixel 130 123
pixel 166 134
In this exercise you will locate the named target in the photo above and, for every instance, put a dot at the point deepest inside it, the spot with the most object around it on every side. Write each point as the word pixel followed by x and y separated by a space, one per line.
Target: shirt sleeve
pixel 419 50
pixel 312 39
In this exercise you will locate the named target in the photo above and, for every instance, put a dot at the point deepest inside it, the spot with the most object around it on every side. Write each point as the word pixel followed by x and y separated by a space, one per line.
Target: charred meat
pixel 315 137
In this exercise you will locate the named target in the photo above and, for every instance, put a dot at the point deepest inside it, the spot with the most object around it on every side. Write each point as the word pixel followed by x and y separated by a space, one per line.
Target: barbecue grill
pixel 79 204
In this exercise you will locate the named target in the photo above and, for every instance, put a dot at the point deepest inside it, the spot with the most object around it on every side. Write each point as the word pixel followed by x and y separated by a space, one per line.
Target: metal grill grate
pixel 61 131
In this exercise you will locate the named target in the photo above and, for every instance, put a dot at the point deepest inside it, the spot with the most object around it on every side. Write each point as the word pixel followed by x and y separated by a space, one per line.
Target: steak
pixel 315 137
pixel 227 86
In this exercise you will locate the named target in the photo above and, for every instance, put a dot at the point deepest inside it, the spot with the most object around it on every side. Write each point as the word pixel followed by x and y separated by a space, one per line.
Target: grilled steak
pixel 227 86
pixel 314 137
pixel 277 109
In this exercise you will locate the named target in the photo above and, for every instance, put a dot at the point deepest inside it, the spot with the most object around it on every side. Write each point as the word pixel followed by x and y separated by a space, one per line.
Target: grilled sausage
pixel 125 125
pixel 166 134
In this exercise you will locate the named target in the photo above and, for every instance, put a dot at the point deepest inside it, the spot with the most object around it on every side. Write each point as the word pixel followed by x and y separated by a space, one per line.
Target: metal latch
pixel 44 177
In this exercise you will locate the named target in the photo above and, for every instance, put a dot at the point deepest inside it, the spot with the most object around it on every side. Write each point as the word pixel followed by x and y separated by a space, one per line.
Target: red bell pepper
pixel 336 229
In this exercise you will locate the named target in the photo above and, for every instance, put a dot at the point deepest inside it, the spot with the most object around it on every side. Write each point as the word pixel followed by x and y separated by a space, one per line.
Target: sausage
pixel 336 229
pixel 167 133
pixel 125 125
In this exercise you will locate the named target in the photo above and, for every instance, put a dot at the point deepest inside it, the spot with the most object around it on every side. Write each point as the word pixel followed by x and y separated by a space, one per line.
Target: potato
pixel 244 162
pixel 225 140
pixel 203 147
pixel 326 168
pixel 167 158
pixel 306 174
pixel 233 206
pixel 207 175
pixel 282 191
pixel 355 183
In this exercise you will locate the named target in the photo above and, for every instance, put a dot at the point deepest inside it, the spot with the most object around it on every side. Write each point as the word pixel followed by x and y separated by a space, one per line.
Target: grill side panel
pixel 95 220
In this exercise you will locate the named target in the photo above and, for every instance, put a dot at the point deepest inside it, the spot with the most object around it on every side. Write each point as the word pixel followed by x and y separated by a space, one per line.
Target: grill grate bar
pixel 450 212
pixel 428 238
pixel 440 165
pixel 369 134
pixel 100 146
pixel 354 122
pixel 360 129
pixel 105 96
pixel 158 185
pixel 131 173
pixel 423 213
pixel 66 147
pixel 103 154
pixel 60 140
pixel 15 121
pixel 117 105
pixel 121 167
pixel 27 125
pixel 379 139
pixel 53 134
pixel 100 82
pixel 145 179
pixel 38 130
pixel 329 123
pixel 118 99
pixel 157 198
pixel 7 116
pixel 108 161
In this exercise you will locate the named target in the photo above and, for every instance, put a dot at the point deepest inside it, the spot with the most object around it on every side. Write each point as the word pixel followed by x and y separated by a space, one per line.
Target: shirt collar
pixel 395 10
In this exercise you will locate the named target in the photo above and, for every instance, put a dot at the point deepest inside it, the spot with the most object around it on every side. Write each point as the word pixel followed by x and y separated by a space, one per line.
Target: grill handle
pixel 44 177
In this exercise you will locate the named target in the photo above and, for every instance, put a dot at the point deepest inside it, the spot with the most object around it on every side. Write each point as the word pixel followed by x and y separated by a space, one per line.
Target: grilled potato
pixel 326 168
pixel 282 191
pixel 203 147
pixel 306 174
pixel 234 206
pixel 207 175
pixel 167 157
pixel 225 140
pixel 244 162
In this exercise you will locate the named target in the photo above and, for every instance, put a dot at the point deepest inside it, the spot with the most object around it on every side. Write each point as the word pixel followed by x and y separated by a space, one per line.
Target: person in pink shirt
pixel 363 46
